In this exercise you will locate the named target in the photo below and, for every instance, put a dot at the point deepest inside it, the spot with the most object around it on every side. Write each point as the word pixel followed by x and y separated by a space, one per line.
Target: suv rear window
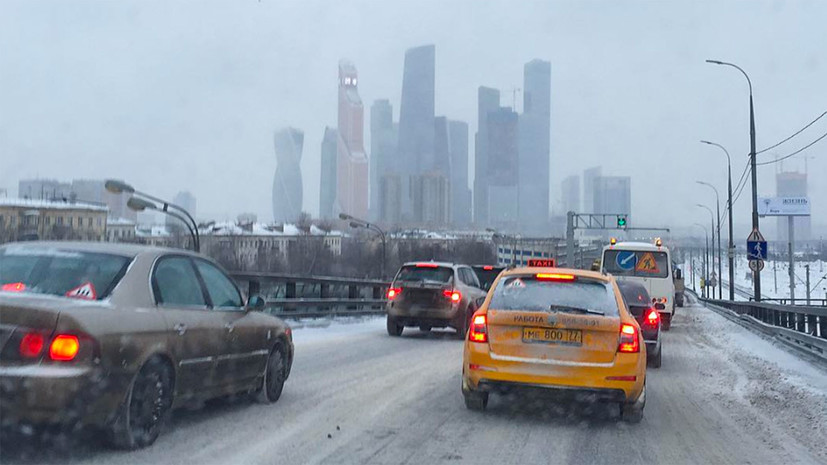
pixel 39 270
pixel 529 293
pixel 435 274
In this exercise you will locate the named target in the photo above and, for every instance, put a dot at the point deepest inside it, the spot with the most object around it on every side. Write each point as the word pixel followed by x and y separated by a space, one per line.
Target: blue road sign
pixel 757 250
pixel 626 260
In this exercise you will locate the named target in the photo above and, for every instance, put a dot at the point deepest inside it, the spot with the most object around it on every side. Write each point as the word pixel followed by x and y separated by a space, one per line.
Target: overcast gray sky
pixel 186 95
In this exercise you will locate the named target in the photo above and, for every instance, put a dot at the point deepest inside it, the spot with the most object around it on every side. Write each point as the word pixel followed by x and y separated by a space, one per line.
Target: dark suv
pixel 487 274
pixel 433 295
pixel 640 306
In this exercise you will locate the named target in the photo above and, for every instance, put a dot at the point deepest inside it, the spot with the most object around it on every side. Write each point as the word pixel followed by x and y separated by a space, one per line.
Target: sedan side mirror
pixel 256 303
pixel 480 301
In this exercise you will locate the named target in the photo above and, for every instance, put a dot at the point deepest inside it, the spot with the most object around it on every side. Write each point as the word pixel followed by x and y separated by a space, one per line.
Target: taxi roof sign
pixel 542 262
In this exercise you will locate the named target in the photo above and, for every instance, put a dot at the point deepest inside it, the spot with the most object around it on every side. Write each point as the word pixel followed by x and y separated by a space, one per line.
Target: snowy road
pixel 356 395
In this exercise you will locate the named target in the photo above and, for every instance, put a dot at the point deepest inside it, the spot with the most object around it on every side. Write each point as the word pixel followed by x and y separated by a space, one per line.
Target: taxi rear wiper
pixel 560 308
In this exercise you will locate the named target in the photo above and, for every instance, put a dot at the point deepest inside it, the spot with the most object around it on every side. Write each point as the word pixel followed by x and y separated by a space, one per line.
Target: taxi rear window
pixel 67 273
pixel 415 273
pixel 529 293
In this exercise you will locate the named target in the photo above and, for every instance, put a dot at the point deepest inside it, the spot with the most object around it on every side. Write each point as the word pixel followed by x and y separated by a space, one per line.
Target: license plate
pixel 571 337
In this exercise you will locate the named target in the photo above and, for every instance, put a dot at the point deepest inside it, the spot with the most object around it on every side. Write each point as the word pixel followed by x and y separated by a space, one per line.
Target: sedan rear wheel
pixel 273 383
pixel 475 400
pixel 147 407
pixel 633 412
pixel 655 359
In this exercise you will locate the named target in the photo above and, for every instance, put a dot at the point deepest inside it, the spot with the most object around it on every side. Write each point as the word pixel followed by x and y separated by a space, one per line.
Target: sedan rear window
pixel 416 273
pixel 529 293
pixel 67 273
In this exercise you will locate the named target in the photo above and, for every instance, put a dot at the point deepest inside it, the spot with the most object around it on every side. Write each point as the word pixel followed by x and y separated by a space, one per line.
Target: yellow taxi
pixel 556 328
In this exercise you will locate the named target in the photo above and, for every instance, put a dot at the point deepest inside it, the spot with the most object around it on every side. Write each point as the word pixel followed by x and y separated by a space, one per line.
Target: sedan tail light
pixel 652 317
pixel 479 328
pixel 628 342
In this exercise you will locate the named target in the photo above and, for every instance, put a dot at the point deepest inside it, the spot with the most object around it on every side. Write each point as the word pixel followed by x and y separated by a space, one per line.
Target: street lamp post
pixel 359 223
pixel 757 274
pixel 706 257
pixel 119 187
pixel 718 230
pixel 731 246
pixel 712 233
pixel 138 204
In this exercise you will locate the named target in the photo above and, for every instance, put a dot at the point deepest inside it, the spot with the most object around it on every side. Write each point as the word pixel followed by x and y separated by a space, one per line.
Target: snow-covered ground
pixel 775 280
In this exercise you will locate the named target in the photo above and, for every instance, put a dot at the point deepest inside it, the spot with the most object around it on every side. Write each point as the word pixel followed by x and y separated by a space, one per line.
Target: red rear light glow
pixel 629 341
pixel 31 345
pixel 455 296
pixel 426 265
pixel 64 347
pixel 393 292
pixel 479 329
pixel 13 287
pixel 488 268
pixel 652 317
pixel 555 277
pixel 621 378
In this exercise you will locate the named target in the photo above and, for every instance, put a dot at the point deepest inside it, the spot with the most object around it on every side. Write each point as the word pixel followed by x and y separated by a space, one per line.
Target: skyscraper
pixel 416 121
pixel 503 197
pixel 431 198
pixel 534 147
pixel 589 179
pixel 792 184
pixel 613 195
pixel 488 101
pixel 382 148
pixel 327 188
pixel 461 214
pixel 185 200
pixel 287 182
pixel 571 194
pixel 352 163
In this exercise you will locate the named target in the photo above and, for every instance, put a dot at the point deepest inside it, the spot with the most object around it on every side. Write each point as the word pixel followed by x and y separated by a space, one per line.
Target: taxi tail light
pixel 555 277
pixel 393 292
pixel 454 295
pixel 652 317
pixel 478 332
pixel 31 345
pixel 64 347
pixel 628 342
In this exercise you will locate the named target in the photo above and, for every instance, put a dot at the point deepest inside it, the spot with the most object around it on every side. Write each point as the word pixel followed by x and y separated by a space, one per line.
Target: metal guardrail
pixel 292 296
pixel 804 328
pixel 797 301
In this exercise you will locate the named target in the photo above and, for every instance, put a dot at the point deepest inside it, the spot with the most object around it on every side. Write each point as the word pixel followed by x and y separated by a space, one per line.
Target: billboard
pixel 784 206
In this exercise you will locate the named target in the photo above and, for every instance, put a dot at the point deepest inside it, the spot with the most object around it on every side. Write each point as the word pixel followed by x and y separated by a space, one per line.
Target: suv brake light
pixel 393 292
pixel 479 328
pixel 454 295
pixel 628 342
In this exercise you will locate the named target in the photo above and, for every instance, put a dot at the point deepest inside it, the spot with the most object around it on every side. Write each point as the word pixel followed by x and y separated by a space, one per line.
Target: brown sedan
pixel 117 336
